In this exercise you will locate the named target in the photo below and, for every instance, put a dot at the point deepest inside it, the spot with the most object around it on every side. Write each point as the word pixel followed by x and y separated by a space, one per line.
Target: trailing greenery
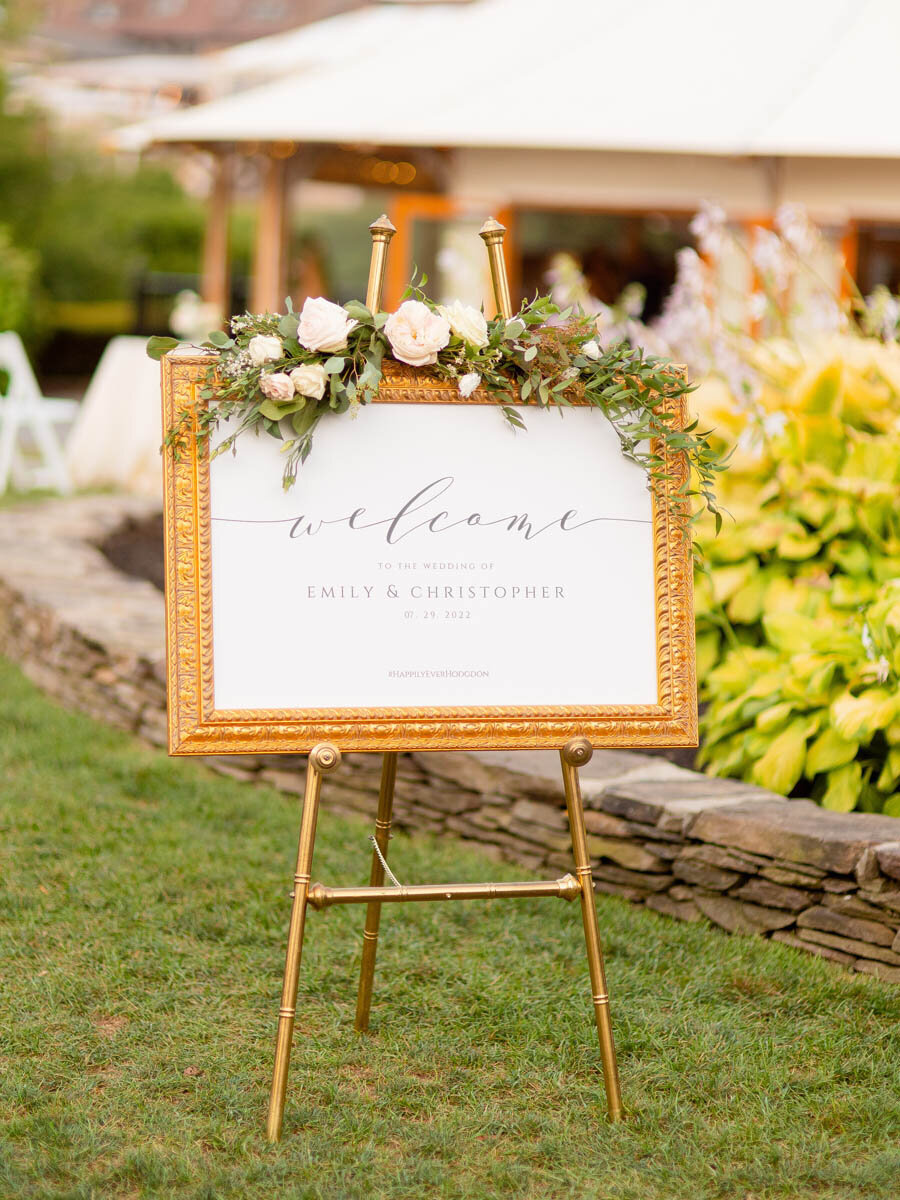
pixel 144 911
pixel 541 357
pixel 799 618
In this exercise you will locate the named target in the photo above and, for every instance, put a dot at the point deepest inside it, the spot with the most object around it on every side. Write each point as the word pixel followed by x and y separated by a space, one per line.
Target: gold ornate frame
pixel 197 727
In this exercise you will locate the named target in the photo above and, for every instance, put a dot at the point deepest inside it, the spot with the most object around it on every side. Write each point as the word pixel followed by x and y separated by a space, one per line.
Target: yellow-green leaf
pixel 843 790
pixel 860 716
pixel 746 605
pixel 782 764
pixel 798 546
pixel 790 631
pixel 828 751
pixel 707 651
pixel 771 718
pixel 727 580
pixel 890 772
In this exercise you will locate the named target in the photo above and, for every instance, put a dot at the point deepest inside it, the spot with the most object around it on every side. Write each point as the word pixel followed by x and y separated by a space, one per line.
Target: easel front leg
pixel 575 754
pixel 322 758
pixel 376 879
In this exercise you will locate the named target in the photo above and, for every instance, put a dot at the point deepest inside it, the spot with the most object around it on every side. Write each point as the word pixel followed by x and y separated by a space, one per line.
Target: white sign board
pixel 428 556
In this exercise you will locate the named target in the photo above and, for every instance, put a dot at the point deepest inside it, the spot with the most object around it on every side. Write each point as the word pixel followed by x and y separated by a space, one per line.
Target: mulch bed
pixel 136 548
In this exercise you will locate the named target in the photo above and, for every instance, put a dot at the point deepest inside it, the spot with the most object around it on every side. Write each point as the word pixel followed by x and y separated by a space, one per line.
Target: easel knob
pixel 491 234
pixel 324 757
pixel 382 231
pixel 577 752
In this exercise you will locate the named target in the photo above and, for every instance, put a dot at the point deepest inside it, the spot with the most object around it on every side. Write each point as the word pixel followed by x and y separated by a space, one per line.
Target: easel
pixel 325 758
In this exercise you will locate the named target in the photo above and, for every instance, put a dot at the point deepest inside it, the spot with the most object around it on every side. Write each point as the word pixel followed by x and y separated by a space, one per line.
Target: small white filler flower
pixel 468 384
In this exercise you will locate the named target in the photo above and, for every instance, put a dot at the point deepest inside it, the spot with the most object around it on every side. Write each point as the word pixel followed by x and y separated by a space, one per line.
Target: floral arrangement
pixel 280 374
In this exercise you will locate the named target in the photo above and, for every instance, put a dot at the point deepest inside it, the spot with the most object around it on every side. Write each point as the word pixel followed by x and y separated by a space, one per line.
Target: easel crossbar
pixel 319 896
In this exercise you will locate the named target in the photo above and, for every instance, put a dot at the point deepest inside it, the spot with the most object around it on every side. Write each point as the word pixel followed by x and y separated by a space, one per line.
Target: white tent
pixel 591 105
pixel 787 77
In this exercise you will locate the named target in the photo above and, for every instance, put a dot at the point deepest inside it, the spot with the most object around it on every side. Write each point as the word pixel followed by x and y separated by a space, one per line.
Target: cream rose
pixel 323 326
pixel 466 322
pixel 416 333
pixel 277 386
pixel 264 348
pixel 309 381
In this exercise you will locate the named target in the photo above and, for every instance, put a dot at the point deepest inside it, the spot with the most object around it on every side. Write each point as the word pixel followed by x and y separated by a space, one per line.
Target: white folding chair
pixel 24 410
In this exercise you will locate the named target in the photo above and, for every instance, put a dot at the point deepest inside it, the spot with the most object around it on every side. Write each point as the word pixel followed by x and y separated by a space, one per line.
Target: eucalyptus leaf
pixel 158 346
pixel 359 312
pixel 274 411
pixel 303 422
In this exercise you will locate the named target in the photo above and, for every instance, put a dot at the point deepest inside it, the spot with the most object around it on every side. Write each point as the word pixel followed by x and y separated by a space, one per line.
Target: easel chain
pixel 390 874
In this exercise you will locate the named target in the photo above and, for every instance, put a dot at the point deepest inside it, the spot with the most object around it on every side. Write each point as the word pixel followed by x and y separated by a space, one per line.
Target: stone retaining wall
pixel 683 845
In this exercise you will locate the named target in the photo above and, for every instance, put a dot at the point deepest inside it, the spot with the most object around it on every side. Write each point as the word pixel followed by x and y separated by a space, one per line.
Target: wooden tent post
pixel 216 280
pixel 271 240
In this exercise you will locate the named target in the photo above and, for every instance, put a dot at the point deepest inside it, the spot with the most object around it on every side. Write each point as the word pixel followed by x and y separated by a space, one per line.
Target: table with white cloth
pixel 116 437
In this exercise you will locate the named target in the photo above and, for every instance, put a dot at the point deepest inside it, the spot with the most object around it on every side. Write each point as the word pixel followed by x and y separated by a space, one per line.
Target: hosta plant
pixel 799 615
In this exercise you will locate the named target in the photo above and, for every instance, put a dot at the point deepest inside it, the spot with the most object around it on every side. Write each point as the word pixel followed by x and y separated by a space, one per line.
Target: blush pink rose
pixel 278 386
pixel 416 334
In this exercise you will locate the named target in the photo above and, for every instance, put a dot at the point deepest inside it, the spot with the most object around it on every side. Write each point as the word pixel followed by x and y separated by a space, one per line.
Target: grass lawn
pixel 144 912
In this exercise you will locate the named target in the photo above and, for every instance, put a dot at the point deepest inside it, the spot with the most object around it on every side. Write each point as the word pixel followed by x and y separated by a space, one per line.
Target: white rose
pixel 309 381
pixel 416 333
pixel 323 326
pixel 468 384
pixel 591 350
pixel 277 386
pixel 264 348
pixel 466 322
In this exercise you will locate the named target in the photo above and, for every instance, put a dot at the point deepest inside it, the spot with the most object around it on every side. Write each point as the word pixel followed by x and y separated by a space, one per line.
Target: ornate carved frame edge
pixel 195 727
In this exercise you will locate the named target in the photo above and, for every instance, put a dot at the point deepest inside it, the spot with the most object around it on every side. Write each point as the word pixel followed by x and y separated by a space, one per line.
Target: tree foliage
pixel 90 225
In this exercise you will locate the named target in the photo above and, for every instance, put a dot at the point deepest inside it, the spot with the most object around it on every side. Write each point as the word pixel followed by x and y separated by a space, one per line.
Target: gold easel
pixel 324 758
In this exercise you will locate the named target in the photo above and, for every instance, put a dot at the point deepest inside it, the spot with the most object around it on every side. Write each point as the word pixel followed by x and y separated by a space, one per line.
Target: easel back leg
pixel 376 879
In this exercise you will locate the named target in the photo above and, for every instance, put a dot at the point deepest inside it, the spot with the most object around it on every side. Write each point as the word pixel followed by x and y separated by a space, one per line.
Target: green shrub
pixel 799 616
pixel 89 226
pixel 16 276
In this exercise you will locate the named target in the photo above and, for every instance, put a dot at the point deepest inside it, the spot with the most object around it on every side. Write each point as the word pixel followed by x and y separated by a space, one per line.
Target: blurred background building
pixel 590 126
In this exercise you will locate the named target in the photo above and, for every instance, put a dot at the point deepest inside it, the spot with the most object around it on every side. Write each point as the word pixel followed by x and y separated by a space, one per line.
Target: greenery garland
pixel 542 356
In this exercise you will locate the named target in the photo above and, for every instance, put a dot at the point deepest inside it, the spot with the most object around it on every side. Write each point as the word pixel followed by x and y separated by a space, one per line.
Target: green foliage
pixel 144 914
pixel 16 276
pixel 89 225
pixel 799 615
pixel 525 360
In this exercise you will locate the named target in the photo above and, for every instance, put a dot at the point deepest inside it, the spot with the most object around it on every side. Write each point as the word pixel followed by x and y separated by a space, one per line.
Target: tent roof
pixel 787 77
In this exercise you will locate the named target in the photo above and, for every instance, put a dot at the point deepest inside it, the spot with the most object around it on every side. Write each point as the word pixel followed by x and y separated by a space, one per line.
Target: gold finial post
pixel 491 234
pixel 382 231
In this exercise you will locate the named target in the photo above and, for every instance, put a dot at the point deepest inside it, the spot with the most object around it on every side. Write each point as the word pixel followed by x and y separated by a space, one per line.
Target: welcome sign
pixel 432 580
